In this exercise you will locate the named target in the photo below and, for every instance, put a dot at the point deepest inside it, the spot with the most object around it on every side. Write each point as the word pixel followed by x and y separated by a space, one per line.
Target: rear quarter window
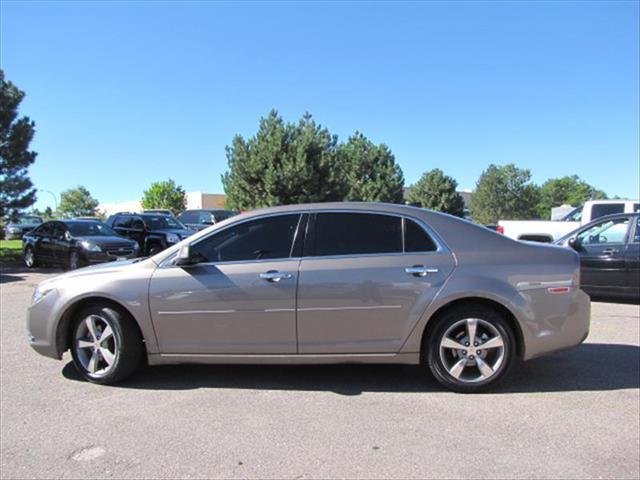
pixel 602 209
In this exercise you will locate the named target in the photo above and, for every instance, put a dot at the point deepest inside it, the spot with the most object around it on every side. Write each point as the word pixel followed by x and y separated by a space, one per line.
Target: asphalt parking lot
pixel 575 414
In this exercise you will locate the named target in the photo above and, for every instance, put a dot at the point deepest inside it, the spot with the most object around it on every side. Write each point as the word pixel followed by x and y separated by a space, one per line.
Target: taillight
pixel 500 229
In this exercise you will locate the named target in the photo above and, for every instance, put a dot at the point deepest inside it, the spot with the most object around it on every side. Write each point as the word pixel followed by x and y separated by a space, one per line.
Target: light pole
pixel 55 200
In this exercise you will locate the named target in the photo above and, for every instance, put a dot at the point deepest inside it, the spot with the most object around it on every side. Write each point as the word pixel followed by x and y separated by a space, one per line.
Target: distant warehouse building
pixel 194 200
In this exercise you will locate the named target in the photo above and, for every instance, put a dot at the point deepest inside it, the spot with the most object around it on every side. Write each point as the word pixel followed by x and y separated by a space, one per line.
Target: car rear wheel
pixel 106 346
pixel 471 349
pixel 30 258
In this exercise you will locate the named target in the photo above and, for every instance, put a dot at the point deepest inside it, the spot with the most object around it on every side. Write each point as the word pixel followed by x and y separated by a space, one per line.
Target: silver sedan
pixel 321 283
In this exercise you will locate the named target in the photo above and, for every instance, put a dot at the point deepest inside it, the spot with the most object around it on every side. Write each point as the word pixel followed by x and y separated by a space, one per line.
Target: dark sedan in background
pixel 609 249
pixel 75 243
pixel 26 223
pixel 153 232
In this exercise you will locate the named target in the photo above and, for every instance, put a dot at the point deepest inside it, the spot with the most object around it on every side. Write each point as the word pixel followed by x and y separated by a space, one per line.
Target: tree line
pixel 301 162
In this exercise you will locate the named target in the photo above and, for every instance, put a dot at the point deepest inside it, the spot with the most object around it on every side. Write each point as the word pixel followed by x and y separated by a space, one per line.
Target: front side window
pixel 188 217
pixel 205 218
pixel 611 231
pixel 122 222
pixel 45 229
pixel 636 235
pixel 357 233
pixel 261 239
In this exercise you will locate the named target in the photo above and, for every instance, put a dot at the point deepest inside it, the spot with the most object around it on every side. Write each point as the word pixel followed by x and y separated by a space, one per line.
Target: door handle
pixel 274 276
pixel 420 270
pixel 609 251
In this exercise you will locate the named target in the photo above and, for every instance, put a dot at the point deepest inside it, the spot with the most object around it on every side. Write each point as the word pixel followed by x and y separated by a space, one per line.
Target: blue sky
pixel 127 93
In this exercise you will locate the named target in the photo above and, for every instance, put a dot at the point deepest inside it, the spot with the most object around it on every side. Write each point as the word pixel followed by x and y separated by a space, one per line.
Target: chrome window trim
pixel 441 246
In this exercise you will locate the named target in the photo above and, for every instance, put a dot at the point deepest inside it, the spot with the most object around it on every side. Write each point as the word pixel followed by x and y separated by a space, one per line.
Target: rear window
pixel 357 233
pixel 601 209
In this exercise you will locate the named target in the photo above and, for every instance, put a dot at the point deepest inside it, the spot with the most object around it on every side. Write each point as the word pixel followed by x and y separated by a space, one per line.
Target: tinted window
pixel 416 239
pixel 205 218
pixel 636 207
pixel 59 229
pixel 256 240
pixel 636 236
pixel 81 229
pixel 220 216
pixel 136 223
pixel 611 231
pixel 162 222
pixel 602 209
pixel 123 222
pixel 44 229
pixel 188 217
pixel 357 233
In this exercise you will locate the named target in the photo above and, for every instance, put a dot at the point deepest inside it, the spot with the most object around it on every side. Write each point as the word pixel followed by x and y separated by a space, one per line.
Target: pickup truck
pixel 551 230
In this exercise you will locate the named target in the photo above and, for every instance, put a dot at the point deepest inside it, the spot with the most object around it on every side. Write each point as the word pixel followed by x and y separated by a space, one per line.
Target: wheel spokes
pixel 457 368
pixel 106 334
pixel 85 344
pixel 93 362
pixel 494 342
pixel 472 325
pixel 451 343
pixel 484 367
pixel 107 355
pixel 91 326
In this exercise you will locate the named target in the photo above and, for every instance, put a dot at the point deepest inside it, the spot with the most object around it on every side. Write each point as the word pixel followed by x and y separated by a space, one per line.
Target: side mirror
pixel 574 242
pixel 184 256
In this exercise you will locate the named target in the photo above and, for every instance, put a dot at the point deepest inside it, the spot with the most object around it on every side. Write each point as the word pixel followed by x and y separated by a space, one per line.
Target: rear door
pixel 42 244
pixel 602 255
pixel 365 280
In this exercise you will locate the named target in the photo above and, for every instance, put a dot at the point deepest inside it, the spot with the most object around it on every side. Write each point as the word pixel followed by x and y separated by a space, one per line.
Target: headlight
pixel 172 238
pixel 42 291
pixel 91 247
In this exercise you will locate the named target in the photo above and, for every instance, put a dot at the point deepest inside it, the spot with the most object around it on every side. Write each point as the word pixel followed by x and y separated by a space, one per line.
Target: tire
pixel 75 261
pixel 459 365
pixel 30 259
pixel 113 353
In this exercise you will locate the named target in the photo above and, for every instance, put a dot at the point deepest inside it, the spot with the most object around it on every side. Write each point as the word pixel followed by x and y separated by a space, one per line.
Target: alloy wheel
pixel 96 345
pixel 472 350
pixel 29 258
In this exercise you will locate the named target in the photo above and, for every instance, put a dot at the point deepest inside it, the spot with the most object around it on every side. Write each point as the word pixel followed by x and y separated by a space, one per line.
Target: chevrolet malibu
pixel 321 283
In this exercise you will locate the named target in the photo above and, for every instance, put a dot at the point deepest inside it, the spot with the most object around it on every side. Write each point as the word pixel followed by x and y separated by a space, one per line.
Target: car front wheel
pixel 30 258
pixel 471 349
pixel 106 345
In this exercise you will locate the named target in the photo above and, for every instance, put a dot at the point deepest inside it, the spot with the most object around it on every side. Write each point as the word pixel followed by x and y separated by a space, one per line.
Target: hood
pixel 102 240
pixel 104 268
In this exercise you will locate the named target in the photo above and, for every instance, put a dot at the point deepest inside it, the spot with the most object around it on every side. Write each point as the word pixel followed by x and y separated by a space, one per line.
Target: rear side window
pixel 601 209
pixel 636 207
pixel 416 239
pixel 357 233
pixel 265 238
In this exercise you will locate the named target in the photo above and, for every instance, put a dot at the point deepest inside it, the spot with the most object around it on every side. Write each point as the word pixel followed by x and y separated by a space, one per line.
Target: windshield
pixel 162 222
pixel 90 229
pixel 574 215
pixel 29 221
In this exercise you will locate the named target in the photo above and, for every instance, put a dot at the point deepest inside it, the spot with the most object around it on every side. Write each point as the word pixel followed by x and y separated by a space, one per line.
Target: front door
pixel 602 255
pixel 239 297
pixel 365 282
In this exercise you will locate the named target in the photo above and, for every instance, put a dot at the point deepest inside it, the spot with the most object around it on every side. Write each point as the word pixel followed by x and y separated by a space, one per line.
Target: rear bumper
pixel 554 322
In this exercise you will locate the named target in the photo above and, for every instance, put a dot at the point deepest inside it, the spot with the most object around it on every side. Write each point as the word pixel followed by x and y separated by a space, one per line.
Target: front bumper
pixel 92 258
